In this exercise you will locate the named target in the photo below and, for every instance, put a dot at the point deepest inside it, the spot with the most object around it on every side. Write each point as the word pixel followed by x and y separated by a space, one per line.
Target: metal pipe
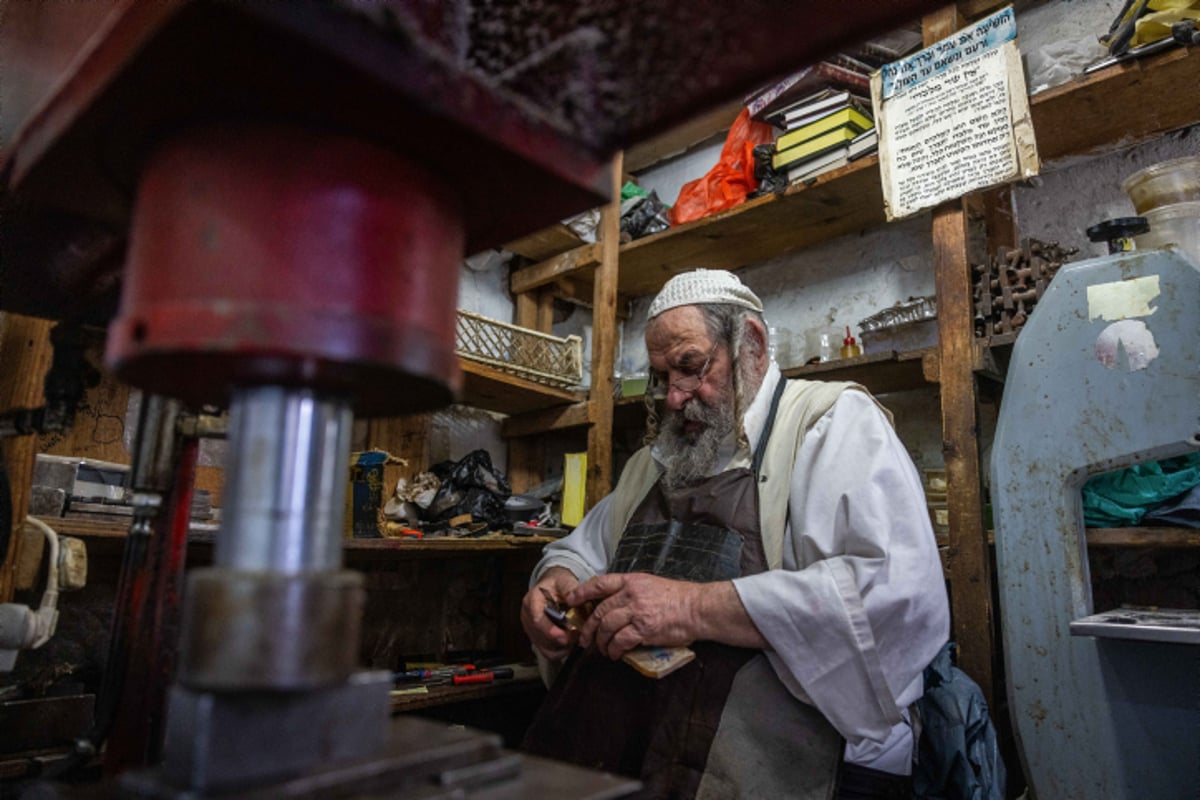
pixel 286 487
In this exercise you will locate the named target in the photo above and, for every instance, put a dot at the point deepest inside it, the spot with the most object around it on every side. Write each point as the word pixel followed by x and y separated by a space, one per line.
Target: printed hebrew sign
pixel 954 118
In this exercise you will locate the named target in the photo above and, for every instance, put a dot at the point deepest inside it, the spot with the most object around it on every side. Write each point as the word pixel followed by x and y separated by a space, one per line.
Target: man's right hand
pixel 548 639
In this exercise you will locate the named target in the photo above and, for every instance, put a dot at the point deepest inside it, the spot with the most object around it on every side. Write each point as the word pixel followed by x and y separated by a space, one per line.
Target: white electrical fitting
pixel 22 628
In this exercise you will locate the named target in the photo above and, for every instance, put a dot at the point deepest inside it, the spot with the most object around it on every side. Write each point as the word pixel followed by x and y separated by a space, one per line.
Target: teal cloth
pixel 1122 498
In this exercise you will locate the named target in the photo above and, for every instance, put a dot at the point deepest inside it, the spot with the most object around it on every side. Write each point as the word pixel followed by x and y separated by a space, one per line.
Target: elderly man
pixel 776 528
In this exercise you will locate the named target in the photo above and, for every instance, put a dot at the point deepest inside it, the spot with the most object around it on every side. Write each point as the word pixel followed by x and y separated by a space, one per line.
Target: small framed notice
pixel 954 118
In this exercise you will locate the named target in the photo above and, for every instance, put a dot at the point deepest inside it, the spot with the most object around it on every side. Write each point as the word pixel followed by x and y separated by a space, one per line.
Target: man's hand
pixel 636 608
pixel 548 639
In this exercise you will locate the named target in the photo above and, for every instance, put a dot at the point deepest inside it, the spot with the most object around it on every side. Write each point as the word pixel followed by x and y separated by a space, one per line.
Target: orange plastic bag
pixel 728 183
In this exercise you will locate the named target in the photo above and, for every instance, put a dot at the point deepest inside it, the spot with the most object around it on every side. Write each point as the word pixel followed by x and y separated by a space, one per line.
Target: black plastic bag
pixel 770 180
pixel 642 216
pixel 470 486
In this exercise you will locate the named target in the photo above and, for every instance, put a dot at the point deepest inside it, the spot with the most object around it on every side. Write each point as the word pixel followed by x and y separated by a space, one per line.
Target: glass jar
pixel 1165 183
pixel 1176 224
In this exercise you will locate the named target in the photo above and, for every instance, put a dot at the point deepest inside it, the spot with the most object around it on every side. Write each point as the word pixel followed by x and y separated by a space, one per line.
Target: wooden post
pixel 604 316
pixel 969 566
pixel 525 312
pixel 535 309
pixel 25 356
pixel 545 310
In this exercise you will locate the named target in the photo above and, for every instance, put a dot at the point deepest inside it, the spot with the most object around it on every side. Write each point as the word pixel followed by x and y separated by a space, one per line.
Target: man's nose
pixel 677 398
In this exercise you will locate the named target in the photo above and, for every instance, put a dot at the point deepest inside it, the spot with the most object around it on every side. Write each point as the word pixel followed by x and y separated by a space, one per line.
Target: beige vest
pixel 802 404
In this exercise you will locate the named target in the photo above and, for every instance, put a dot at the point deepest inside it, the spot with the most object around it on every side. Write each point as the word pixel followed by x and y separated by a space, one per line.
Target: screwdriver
pixel 485 676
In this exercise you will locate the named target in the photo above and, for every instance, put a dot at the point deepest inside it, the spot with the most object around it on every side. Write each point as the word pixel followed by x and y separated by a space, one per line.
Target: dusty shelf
pixel 1118 106
pixel 489 388
pixel 890 371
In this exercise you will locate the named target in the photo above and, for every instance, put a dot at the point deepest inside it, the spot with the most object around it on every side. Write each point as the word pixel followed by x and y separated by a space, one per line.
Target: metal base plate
pixel 424 760
pixel 1180 626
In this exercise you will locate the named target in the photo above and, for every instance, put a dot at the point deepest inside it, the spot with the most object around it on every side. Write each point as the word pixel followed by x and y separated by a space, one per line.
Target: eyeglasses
pixel 658 388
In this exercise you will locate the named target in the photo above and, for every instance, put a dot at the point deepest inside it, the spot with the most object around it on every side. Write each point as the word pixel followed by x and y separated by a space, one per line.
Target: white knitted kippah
pixel 704 286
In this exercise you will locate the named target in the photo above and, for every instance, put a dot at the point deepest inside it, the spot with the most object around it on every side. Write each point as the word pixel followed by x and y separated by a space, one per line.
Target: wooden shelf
pixel 1121 105
pixel 488 388
pixel 880 372
pixel 841 201
pixel 1143 537
pixel 1102 110
pixel 1123 537
pixel 101 530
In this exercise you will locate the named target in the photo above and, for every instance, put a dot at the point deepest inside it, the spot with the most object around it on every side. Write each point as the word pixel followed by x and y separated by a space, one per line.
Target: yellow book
pixel 574 484
pixel 813 147
pixel 849 116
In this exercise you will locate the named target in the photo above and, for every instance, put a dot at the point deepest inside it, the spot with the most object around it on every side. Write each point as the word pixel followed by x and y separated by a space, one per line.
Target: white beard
pixel 691 457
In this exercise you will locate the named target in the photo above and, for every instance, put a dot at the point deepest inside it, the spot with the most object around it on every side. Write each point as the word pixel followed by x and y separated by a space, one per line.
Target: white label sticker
pixel 1122 299
pixel 1127 345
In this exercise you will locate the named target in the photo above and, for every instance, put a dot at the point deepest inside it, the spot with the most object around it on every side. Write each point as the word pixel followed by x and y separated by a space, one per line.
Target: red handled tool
pixel 484 676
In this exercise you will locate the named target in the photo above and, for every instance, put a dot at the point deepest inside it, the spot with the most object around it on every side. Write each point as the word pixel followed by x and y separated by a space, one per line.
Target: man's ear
pixel 756 339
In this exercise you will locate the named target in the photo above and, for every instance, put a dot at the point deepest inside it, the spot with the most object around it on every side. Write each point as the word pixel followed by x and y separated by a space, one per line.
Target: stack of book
pixel 839 73
pixel 823 131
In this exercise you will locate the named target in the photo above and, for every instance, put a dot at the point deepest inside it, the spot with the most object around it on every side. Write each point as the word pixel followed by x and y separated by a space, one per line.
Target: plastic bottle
pixel 849 348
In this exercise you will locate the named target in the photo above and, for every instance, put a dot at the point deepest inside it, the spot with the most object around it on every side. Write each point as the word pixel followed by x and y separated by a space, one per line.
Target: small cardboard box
pixel 373 476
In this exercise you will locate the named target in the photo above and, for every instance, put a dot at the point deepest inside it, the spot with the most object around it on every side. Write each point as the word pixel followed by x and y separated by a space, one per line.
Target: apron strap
pixel 761 451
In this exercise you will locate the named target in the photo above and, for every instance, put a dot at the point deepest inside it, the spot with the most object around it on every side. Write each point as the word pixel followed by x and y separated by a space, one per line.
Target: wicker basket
pixel 519 351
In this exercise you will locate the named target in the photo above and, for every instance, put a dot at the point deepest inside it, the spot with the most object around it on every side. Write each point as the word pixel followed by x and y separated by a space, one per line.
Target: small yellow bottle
pixel 849 348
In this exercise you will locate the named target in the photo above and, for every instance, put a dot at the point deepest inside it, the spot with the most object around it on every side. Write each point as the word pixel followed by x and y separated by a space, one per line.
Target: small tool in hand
pixel 565 617
pixel 653 662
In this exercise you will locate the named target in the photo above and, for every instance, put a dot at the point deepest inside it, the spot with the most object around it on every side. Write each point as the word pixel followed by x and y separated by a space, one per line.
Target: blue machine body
pixel 1105 374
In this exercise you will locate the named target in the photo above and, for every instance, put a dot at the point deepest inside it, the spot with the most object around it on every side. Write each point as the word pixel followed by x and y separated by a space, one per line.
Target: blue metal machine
pixel 1105 374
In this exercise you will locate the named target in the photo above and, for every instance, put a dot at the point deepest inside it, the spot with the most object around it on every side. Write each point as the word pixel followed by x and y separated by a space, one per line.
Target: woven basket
pixel 519 351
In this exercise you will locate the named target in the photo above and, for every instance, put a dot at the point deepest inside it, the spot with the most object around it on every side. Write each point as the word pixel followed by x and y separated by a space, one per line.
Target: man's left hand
pixel 636 608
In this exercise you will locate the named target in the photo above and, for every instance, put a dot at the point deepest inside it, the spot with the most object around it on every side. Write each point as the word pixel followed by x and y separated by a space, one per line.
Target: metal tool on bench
pixel 1103 704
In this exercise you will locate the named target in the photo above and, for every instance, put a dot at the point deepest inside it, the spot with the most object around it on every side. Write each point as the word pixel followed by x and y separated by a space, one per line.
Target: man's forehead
pixel 676 329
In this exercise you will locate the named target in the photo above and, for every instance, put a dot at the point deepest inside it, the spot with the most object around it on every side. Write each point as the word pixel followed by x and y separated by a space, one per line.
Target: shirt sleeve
pixel 585 551
pixel 860 607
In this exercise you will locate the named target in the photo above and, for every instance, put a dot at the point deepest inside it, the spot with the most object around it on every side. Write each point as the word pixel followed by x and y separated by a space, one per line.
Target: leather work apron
pixel 723 726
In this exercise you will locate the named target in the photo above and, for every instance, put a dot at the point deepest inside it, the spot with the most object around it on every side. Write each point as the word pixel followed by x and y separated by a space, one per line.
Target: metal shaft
pixel 286 487
pixel 276 611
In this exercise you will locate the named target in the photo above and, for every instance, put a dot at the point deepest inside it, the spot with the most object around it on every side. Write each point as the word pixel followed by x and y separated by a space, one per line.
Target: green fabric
pixel 1122 498
pixel 631 189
